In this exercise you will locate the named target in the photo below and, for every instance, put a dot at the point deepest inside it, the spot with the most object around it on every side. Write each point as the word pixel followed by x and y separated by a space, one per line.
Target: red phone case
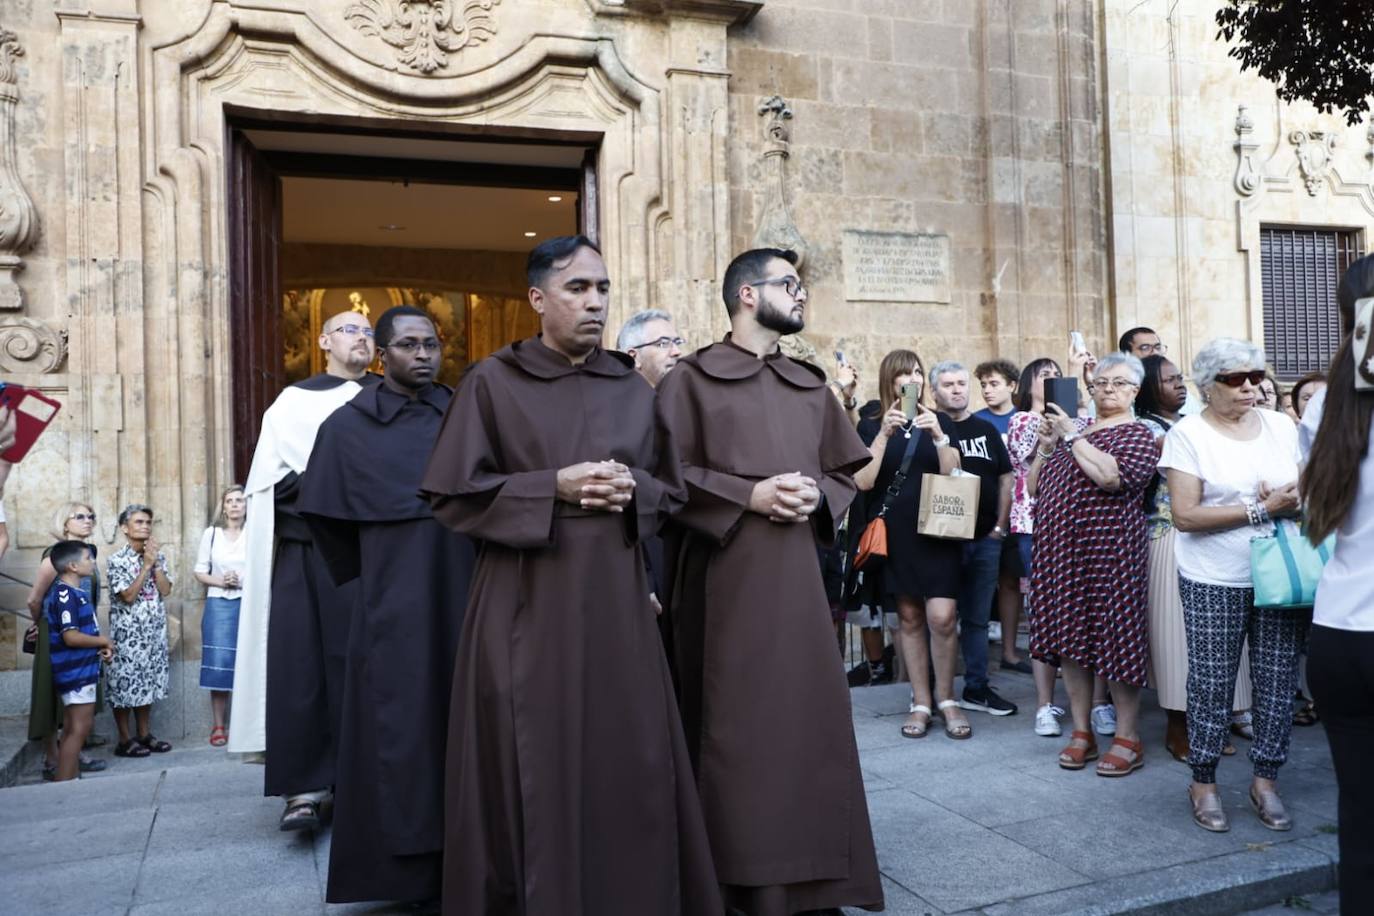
pixel 32 414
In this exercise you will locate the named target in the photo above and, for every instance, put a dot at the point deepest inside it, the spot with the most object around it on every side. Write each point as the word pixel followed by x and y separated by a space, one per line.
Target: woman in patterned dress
pixel 137 675
pixel 1091 561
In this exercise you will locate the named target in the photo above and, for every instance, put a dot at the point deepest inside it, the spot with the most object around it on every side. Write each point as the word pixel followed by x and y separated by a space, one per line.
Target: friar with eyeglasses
pixel 293 620
pixel 569 786
pixel 767 454
pixel 360 496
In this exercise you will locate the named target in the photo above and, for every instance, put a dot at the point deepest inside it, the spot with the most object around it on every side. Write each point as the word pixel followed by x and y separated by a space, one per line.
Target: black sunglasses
pixel 1236 379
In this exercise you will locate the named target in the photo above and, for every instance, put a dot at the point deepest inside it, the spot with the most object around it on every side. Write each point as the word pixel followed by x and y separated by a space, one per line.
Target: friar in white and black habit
pixel 293 620
pixel 361 499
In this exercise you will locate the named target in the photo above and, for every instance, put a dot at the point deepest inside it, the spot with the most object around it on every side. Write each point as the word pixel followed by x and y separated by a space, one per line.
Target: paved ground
pixel 989 825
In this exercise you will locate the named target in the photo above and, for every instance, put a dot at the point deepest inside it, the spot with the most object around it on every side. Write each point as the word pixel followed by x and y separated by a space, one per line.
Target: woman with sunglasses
pixel 71 522
pixel 1231 471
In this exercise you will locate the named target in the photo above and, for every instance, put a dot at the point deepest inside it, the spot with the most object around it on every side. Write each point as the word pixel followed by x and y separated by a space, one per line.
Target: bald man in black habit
pixel 360 497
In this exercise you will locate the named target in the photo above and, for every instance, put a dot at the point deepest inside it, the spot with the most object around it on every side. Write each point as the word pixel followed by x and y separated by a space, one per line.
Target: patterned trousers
pixel 1218 620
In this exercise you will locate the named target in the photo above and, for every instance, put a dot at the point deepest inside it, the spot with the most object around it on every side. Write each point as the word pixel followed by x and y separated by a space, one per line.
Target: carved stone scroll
pixel 1248 178
pixel 27 345
pixel 17 216
pixel 776 227
pixel 1314 151
pixel 425 32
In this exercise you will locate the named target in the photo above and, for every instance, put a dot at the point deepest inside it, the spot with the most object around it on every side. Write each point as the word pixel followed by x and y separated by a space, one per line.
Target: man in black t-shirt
pixel 982 453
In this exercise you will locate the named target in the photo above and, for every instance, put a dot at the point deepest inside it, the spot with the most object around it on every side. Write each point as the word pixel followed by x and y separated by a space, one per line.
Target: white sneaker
pixel 994 632
pixel 1047 721
pixel 1104 719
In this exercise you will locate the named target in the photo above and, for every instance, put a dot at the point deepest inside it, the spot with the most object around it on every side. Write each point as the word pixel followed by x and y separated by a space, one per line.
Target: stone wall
pixel 1193 177
pixel 976 120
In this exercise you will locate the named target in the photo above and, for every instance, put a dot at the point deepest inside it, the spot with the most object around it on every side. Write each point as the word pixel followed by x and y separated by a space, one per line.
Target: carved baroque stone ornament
pixel 425 32
pixel 776 228
pixel 27 345
pixel 18 218
pixel 1248 178
pixel 1314 150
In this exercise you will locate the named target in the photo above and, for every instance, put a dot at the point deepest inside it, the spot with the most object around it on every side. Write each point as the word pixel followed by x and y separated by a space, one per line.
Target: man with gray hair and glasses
pixel 652 340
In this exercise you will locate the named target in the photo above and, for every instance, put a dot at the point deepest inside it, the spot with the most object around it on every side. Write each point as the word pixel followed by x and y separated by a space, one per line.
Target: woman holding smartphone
pixel 921 576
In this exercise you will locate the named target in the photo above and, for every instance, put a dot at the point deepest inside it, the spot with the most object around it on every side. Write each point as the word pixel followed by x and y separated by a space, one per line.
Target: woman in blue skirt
pixel 219 565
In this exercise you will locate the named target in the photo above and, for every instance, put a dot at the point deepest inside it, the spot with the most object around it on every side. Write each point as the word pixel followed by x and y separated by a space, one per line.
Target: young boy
pixel 997 378
pixel 77 649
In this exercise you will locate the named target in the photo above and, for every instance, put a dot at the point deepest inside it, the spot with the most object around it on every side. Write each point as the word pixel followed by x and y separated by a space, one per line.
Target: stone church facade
pixel 974 177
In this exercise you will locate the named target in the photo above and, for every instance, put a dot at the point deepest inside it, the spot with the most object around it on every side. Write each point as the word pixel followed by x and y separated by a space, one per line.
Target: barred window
pixel 1301 269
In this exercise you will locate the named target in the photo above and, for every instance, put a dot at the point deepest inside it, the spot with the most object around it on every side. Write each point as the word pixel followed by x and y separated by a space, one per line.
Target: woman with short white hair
pixel 1091 560
pixel 1232 470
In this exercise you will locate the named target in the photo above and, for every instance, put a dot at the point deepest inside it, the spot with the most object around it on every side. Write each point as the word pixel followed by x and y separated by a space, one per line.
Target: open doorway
pixel 323 221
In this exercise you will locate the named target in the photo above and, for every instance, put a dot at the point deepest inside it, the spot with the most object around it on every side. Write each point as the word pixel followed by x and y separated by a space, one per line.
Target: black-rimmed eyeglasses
pixel 791 285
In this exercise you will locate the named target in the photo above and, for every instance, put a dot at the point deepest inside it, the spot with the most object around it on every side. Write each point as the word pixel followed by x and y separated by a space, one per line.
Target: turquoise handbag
pixel 1285 568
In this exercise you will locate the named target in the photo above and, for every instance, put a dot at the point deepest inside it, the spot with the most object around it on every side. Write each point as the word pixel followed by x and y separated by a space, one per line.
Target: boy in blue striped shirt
pixel 77 649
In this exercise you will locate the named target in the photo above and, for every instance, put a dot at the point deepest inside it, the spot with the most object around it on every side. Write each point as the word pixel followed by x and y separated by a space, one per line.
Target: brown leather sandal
pixel 1076 758
pixel 1113 764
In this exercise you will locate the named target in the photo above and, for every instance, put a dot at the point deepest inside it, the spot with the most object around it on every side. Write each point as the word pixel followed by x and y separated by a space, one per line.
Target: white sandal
pixel 917 729
pixel 956 730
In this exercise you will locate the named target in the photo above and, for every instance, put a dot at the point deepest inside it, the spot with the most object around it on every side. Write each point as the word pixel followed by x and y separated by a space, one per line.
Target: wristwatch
pixel 998 529
pixel 942 442
pixel 1069 439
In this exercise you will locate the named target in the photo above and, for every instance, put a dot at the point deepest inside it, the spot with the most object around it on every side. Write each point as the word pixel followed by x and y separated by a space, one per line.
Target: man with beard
pixel 288 677
pixel 767 454
pixel 569 789
pixel 651 338
pixel 370 525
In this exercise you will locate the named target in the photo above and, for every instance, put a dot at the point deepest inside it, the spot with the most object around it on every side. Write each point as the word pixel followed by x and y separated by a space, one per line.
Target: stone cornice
pixel 731 12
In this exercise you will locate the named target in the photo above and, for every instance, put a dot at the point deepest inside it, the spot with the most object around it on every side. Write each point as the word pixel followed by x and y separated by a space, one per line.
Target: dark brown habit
pixel 569 790
pixel 764 696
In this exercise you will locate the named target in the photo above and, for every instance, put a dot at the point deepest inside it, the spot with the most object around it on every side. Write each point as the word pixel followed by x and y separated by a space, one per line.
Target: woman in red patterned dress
pixel 1091 567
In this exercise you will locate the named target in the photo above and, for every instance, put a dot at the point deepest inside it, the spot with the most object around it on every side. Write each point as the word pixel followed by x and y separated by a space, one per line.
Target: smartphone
pixel 839 358
pixel 910 392
pixel 1064 392
pixel 1076 343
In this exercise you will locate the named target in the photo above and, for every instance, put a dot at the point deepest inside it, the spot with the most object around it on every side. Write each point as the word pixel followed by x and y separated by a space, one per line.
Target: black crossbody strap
pixel 899 478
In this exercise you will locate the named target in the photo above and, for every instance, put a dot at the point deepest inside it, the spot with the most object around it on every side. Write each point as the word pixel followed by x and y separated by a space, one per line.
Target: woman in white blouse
pixel 1338 486
pixel 1232 469
pixel 219 565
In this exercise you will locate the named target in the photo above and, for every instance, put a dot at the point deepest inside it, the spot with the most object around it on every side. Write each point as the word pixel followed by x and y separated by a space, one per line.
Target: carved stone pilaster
pixel 1248 178
pixel 17 216
pixel 27 345
pixel 1314 150
pixel 776 227
pixel 1369 138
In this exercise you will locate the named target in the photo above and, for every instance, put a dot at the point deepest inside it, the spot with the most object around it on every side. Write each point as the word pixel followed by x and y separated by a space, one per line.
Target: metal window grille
pixel 1301 269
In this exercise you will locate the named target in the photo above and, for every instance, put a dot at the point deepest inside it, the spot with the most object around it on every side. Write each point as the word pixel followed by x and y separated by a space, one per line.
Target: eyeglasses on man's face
pixel 1154 349
pixel 791 285
pixel 662 343
pixel 353 330
pixel 411 347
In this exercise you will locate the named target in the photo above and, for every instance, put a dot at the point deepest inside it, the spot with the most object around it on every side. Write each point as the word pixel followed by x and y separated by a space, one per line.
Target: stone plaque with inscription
pixel 896 267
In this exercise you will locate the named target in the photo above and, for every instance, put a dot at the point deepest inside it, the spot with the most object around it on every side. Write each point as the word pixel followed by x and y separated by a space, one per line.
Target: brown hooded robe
pixel 569 789
pixel 764 695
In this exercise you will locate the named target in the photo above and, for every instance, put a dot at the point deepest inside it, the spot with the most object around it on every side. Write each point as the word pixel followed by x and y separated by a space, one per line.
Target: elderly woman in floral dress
pixel 1091 560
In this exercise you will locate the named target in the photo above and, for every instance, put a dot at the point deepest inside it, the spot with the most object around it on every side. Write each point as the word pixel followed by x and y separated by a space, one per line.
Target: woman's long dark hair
pixel 1024 398
pixel 1147 399
pixel 1331 479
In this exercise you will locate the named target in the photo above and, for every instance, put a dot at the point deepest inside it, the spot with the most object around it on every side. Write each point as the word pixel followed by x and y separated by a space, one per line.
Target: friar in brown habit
pixel 767 453
pixel 569 790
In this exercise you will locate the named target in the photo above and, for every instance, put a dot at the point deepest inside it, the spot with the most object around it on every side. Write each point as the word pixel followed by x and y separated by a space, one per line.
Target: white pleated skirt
pixel 1169 640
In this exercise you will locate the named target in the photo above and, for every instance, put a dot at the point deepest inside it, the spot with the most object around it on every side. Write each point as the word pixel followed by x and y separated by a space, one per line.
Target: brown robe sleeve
pixel 842 453
pixel 468 484
pixel 658 494
pixel 716 500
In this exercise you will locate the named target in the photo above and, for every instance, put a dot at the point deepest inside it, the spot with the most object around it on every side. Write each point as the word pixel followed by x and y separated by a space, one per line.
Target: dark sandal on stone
pixel 303 815
pixel 1113 764
pixel 156 745
pixel 1076 758
pixel 130 748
